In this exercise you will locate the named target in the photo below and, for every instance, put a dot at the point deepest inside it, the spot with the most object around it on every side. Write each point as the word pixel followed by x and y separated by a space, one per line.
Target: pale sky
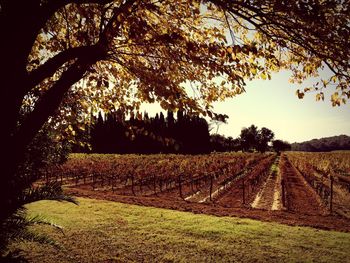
pixel 274 105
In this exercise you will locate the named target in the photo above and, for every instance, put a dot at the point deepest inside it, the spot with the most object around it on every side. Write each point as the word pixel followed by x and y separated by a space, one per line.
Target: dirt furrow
pixel 268 197
pixel 300 196
pixel 264 199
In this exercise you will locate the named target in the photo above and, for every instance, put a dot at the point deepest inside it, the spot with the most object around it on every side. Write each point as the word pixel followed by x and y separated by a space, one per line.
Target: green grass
pixel 103 231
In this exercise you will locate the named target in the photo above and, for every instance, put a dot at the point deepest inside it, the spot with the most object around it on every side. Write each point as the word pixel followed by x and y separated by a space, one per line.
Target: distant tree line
pixel 185 133
pixel 251 139
pixel 341 142
pixel 141 134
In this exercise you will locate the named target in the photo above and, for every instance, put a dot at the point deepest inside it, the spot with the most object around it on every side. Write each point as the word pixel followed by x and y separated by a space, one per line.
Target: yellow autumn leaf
pixel 253 71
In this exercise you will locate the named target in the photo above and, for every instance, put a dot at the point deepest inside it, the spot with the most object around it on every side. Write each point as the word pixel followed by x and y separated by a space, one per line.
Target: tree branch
pixel 50 67
pixel 48 104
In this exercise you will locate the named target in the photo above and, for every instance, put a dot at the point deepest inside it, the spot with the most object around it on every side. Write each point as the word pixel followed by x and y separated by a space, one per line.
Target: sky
pixel 274 105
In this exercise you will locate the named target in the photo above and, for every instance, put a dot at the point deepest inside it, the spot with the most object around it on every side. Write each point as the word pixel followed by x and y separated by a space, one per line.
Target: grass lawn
pixel 104 231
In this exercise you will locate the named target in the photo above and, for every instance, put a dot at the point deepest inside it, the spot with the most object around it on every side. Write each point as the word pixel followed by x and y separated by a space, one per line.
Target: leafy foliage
pixel 144 51
pixel 15 227
pixel 253 139
pixel 220 143
pixel 264 137
pixel 307 37
pixel 41 153
pixel 279 146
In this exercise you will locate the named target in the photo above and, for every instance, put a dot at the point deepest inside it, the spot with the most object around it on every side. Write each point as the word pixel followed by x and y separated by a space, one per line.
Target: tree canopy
pixel 145 135
pixel 305 36
pixel 116 54
pixel 279 145
pixel 253 139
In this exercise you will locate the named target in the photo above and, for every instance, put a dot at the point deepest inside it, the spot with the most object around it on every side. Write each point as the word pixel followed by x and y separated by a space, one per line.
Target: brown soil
pixel 327 222
pixel 242 193
pixel 233 197
pixel 304 206
pixel 266 196
pixel 300 196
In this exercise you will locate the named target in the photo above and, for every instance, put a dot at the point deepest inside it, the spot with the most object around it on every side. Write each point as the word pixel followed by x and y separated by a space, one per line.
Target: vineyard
pixel 303 183
pixel 198 178
pixel 328 174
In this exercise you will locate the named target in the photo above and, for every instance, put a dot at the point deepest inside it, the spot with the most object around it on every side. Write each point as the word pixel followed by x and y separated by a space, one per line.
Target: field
pixel 103 231
pixel 310 184
pixel 201 179
pixel 149 219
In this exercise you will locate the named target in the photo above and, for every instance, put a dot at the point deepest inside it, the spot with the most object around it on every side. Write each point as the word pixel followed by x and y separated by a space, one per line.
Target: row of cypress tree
pixel 186 134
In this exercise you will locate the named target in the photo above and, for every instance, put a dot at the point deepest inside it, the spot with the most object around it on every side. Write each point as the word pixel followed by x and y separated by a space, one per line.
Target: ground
pixel 104 231
pixel 266 212
pixel 327 222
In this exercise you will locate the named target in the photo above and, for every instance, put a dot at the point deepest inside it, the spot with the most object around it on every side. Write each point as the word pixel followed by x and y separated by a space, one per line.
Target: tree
pixel 249 138
pixel 217 120
pixel 279 146
pixel 253 139
pixel 193 134
pixel 109 135
pixel 186 134
pixel 66 59
pixel 265 136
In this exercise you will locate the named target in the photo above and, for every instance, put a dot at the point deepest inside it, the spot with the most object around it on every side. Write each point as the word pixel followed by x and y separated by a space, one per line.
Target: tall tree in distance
pixel 279 146
pixel 265 136
pixel 252 138
pixel 249 138
pixel 185 134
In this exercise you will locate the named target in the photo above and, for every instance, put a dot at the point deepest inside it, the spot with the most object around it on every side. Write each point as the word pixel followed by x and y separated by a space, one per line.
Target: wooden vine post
pixel 250 187
pixel 180 187
pixel 283 193
pixel 192 182
pixel 132 184
pixel 47 175
pixel 243 192
pixel 93 181
pixel 154 184
pixel 211 186
pixel 331 196
pixel 61 175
